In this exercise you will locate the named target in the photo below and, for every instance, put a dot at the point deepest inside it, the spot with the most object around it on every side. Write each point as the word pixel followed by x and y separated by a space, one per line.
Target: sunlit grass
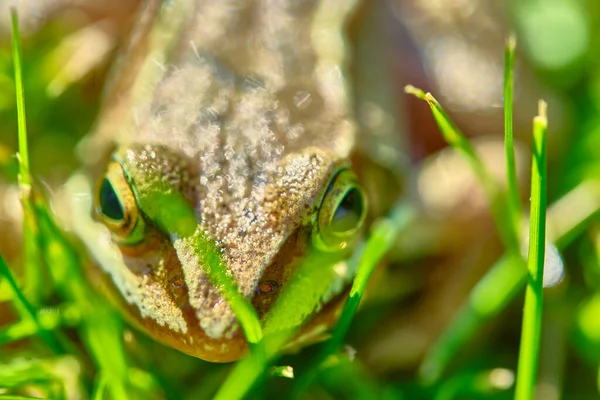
pixel 31 258
pixel 514 198
pixel 532 315
pixel 382 237
pixel 24 172
pixel 468 321
pixel 507 278
pixel 495 194
pixel 99 328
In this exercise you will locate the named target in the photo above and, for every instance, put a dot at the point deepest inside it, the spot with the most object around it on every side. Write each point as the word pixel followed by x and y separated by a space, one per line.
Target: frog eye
pixel 342 212
pixel 116 207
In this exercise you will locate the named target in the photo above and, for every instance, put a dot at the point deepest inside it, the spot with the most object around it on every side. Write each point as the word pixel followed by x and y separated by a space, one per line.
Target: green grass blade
pixel 296 303
pixel 17 331
pixel 241 306
pixel 173 214
pixel 514 203
pixel 598 379
pixel 458 141
pixel 506 279
pixel 30 312
pixel 491 294
pixel 532 316
pixel 23 152
pixel 101 329
pixel 382 238
pixel 249 370
pixel 31 257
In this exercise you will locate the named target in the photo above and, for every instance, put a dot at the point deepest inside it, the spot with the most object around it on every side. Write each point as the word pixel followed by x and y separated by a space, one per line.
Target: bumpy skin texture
pixel 240 108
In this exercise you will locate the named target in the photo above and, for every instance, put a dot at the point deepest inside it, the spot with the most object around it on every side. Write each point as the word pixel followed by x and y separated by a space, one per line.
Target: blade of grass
pixel 514 203
pixel 296 303
pixel 598 379
pixel 30 312
pixel 17 331
pixel 31 257
pixel 101 329
pixel 532 316
pixel 217 271
pixel 381 239
pixel 479 384
pixel 51 377
pixel 50 319
pixel 22 125
pixel 457 140
pixel 505 279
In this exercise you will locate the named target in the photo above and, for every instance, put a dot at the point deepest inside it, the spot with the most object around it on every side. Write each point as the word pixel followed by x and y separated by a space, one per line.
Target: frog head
pixel 232 132
pixel 162 210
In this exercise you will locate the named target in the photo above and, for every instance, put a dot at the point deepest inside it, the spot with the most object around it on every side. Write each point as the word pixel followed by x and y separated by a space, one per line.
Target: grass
pixel 532 314
pixel 64 332
pixel 99 328
pixel 458 141
pixel 532 318
pixel 514 199
pixel 24 174
pixel 30 252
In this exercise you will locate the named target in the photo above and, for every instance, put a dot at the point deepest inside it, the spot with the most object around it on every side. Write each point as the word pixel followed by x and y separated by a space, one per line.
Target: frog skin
pixel 231 121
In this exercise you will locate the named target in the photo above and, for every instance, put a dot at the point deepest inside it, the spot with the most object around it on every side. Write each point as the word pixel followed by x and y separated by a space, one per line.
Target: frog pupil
pixel 348 213
pixel 110 205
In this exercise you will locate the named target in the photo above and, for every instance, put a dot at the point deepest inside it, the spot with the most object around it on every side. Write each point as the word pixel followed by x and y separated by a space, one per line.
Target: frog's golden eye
pixel 342 212
pixel 116 207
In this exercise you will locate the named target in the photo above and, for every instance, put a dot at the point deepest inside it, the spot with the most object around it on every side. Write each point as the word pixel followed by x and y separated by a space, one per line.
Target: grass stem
pixel 514 203
pixel 28 311
pixel 34 285
pixel 459 142
pixel 25 176
pixel 383 236
pixel 532 316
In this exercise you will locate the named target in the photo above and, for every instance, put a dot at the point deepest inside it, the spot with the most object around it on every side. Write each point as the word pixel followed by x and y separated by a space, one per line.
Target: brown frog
pixel 226 126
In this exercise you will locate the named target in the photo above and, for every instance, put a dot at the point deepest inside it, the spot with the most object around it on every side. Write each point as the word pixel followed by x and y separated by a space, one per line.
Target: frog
pixel 230 123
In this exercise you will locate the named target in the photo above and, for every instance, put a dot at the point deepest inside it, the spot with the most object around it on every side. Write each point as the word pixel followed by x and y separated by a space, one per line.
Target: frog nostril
pixel 177 283
pixel 268 286
pixel 178 289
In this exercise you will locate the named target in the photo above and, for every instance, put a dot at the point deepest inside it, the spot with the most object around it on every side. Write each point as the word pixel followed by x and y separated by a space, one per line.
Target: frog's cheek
pixel 152 304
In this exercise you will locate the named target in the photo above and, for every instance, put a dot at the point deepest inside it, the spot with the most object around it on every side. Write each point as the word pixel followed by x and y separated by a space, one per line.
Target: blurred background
pixel 453 48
